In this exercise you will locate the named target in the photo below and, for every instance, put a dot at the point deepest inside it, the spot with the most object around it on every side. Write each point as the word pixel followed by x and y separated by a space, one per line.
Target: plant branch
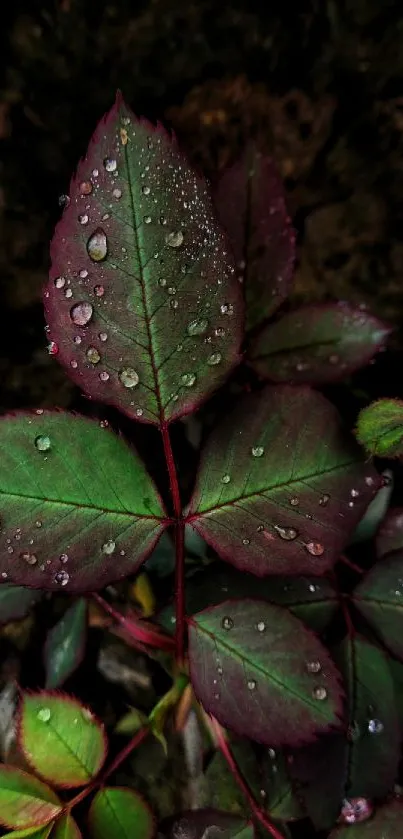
pixel 180 610
pixel 141 632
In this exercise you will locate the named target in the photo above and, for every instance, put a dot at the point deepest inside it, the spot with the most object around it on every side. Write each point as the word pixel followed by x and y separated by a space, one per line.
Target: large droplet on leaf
pixel 81 313
pixel 97 245
pixel 174 239
pixel 128 377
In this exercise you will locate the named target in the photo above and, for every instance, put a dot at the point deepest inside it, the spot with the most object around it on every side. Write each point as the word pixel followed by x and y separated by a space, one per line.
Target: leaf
pixel 380 428
pixel 65 644
pixel 16 602
pixel 61 739
pixel 79 499
pixel 250 203
pixel 369 524
pixel 319 773
pixel 374 731
pixel 120 812
pixel 280 486
pixel 317 344
pixel 24 800
pixel 386 823
pixel 390 535
pixel 262 673
pixel 379 597
pixel 66 828
pixel 35 833
pixel 141 275
pixel 207 823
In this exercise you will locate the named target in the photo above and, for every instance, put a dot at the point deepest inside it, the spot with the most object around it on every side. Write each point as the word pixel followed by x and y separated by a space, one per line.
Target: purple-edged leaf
pixel 319 772
pixel 374 735
pixel 262 673
pixel 207 823
pixel 142 302
pixel 24 800
pixel 118 812
pixel 77 506
pixel 250 203
pixel 390 534
pixel 317 344
pixel 66 828
pixel 65 644
pixel 16 602
pixel 280 486
pixel 386 823
pixel 375 512
pixel 379 597
pixel 61 739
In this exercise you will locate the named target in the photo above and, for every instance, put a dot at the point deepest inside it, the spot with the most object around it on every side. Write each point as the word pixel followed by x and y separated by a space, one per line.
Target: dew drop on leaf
pixel 227 622
pixel 62 578
pixel 257 451
pixel 227 309
pixel 30 559
pixel 97 245
pixel 324 500
pixel 83 273
pixel 68 293
pixel 214 359
pixel 110 164
pixel 251 684
pixel 117 193
pixel 60 282
pixel 109 547
pixel 286 533
pixel 44 714
pixel 103 336
pixel 225 479
pixel 355 810
pixel 319 693
pixel 83 219
pixel 173 304
pixel 174 239
pixel 315 548
pixel 197 327
pixel 53 348
pixel 188 379
pixel 261 626
pixel 128 377
pixel 145 190
pixel 85 188
pixel 375 726
pixel 42 443
pixel 99 290
pixel 246 541
pixel 81 313
pixel 64 558
pixel 147 219
pixel 104 376
pixel 294 502
pixel 313 666
pixel 93 355
pixel 354 493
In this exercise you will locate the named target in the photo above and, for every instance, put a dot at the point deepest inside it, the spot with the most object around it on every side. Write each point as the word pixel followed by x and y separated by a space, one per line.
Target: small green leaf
pixel 390 534
pixel 61 739
pixel 386 823
pixel 65 644
pixel 16 602
pixel 369 524
pixel 131 722
pixel 24 800
pixel 379 597
pixel 262 673
pixel 35 833
pixel 66 828
pixel 380 428
pixel 118 812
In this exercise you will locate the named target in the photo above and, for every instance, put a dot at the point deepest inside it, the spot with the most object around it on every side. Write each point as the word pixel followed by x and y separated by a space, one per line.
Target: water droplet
pixel 99 290
pixel 313 666
pixel 44 714
pixel 188 379
pixel 81 313
pixel 257 451
pixel 315 548
pixel 110 164
pixel 104 376
pixel 355 810
pixel 30 559
pixel 294 502
pixel 246 541
pixel 319 693
pixel 139 412
pixel 77 339
pixel 83 219
pixel 324 500
pixel 64 200
pixel 147 219
pixel 83 273
pixel 38 523
pixel 369 481
pixel 85 188
pixel 214 359
pixel 286 533
pixel 62 578
pixel 117 193
pixel 375 726
pixel 103 336
pixel 312 588
pixel 171 290
pixel 261 626
pixel 174 239
pixel 225 479
pixel 60 282
pixel 251 684
pixel 64 558
pixel 173 304
pixel 95 173
pixel 108 547
pixel 197 327
pixel 53 348
pixel 354 493
pixel 227 622
pixel 93 355
pixel 68 293
pixel 162 282
pixel 124 136
pixel 97 245
pixel 145 190
pixel 42 443
pixel 128 377
pixel 74 364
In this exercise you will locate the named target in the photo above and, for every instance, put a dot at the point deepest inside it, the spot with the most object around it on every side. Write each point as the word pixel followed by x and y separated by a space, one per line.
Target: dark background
pixel 320 88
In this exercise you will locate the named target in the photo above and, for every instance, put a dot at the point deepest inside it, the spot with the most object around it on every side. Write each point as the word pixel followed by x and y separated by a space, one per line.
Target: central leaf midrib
pixel 79 505
pixel 75 757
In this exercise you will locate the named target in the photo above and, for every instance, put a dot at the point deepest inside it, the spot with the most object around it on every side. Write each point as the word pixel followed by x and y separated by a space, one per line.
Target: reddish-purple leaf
pixel 379 597
pixel 24 800
pixel 262 673
pixel 317 344
pixel 280 486
pixel 390 534
pixel 142 302
pixel 250 202
pixel 16 602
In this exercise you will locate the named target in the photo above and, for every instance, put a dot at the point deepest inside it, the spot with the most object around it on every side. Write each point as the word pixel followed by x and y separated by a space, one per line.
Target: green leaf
pixel 379 597
pixel 24 800
pixel 319 772
pixel 66 828
pixel 374 514
pixel 16 602
pixel 390 535
pixel 154 298
pixel 65 644
pixel 118 812
pixel 386 823
pixel 380 428
pixel 262 673
pixel 317 344
pixel 35 833
pixel 83 507
pixel 280 486
pixel 61 739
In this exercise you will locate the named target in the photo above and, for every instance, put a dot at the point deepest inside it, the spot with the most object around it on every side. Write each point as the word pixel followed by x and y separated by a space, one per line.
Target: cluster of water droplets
pixel 355 810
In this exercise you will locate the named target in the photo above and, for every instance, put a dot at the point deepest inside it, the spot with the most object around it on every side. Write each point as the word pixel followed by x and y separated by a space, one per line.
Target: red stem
pixel 180 610
pixel 140 631
pixel 346 561
pixel 256 810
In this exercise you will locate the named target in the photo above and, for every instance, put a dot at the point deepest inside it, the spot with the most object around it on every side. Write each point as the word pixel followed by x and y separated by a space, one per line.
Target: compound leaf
pixel 379 597
pixel 386 823
pixel 24 800
pixel 280 486
pixel 317 344
pixel 65 644
pixel 61 739
pixel 66 828
pixel 262 673
pixel 143 306
pixel 250 202
pixel 77 506
pixel 380 428
pixel 16 602
pixel 120 812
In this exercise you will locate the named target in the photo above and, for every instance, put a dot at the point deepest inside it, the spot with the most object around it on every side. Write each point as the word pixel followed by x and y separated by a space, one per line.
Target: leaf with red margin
pixel 159 319
pixel 317 344
pixel 280 486
pixel 386 823
pixel 16 602
pixel 65 644
pixel 390 534
pixel 66 828
pixel 250 203
pixel 60 738
pixel 24 800
pixel 251 668
pixel 120 812
pixel 379 597
pixel 80 501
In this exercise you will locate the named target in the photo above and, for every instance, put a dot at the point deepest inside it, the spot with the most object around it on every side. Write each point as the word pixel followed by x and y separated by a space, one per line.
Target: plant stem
pixel 346 561
pixel 180 610
pixel 256 810
pixel 142 632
